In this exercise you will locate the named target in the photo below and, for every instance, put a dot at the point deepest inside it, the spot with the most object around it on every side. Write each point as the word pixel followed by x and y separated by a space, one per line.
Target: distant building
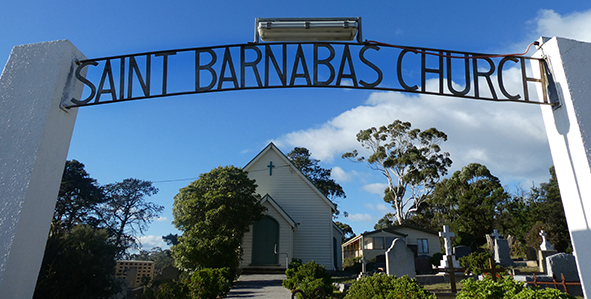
pixel 133 271
pixel 371 244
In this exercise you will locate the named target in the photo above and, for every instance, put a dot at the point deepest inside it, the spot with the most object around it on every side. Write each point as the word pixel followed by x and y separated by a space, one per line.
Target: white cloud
pixel 375 188
pixel 383 208
pixel 161 219
pixel 509 138
pixel 341 175
pixel 151 241
pixel 576 25
pixel 360 217
pixel 379 207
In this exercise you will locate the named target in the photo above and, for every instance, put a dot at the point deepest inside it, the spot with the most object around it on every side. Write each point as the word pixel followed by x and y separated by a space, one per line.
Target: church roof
pixel 273 147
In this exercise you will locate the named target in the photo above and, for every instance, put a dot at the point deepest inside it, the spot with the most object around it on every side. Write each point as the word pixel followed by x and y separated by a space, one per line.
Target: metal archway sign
pixel 369 65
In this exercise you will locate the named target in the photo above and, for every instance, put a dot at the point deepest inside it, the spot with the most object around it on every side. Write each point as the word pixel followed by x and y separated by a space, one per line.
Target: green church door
pixel 265 242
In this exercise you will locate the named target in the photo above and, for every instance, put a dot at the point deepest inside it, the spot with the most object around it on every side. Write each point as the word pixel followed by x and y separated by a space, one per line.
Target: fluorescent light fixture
pixel 307 29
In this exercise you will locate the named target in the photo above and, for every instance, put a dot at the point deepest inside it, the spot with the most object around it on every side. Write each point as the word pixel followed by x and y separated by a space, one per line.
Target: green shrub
pixel 210 283
pixel 505 288
pixel 352 264
pixel 475 262
pixel 307 278
pixel 295 263
pixel 382 286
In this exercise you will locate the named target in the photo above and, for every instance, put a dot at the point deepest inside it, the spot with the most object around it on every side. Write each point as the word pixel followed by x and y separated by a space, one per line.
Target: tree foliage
pixel 214 212
pixel 349 234
pixel 540 209
pixel 78 197
pixel 410 159
pixel 78 264
pixel 82 248
pixel 161 258
pixel 126 212
pixel 469 203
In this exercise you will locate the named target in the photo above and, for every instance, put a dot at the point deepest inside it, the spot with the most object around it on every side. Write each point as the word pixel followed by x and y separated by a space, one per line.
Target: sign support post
pixel 34 141
pixel 568 127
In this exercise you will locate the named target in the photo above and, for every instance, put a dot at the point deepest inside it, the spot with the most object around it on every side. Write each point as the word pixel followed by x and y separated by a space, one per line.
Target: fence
pixel 562 283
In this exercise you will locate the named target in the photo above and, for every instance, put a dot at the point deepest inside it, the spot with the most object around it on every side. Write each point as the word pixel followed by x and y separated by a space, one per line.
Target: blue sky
pixel 180 137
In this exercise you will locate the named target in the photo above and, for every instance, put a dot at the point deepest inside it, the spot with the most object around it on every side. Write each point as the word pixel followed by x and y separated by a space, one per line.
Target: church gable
pixel 274 174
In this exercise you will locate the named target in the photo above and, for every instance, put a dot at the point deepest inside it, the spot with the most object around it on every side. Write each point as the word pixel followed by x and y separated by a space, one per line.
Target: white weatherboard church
pixel 298 222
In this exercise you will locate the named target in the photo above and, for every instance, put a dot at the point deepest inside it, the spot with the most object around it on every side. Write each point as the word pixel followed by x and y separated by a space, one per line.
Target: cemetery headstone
pixel 496 235
pixel 546 250
pixel 446 234
pixel 423 264
pixel 531 254
pixel 400 260
pixel 542 255
pixel 545 244
pixel 563 263
pixel 461 251
pixel 502 251
pixel 490 242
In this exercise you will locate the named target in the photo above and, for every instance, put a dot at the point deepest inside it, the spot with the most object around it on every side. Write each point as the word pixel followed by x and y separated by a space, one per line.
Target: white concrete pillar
pixel 34 140
pixel 568 128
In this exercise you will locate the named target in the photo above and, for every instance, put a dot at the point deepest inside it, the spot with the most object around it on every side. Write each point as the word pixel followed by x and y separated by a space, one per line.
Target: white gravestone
pixel 446 234
pixel 400 260
pixel 545 244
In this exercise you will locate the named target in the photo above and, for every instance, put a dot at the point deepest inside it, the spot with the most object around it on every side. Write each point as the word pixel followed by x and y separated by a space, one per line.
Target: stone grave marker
pixel 531 254
pixel 546 250
pixel 542 255
pixel 446 234
pixel 563 263
pixel 545 244
pixel 400 260
pixel 461 251
pixel 502 252
pixel 423 264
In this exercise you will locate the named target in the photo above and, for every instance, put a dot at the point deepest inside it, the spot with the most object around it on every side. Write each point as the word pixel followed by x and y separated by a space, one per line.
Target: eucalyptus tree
pixel 410 159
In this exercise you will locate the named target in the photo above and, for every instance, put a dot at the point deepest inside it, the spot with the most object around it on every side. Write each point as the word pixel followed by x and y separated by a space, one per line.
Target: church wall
pixel 312 239
pixel 285 240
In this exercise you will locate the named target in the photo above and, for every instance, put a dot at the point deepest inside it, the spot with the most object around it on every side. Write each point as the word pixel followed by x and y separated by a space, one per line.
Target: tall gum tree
pixel 410 159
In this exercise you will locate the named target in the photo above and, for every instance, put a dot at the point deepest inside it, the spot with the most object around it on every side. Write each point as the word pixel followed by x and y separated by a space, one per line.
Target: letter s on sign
pixel 85 82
